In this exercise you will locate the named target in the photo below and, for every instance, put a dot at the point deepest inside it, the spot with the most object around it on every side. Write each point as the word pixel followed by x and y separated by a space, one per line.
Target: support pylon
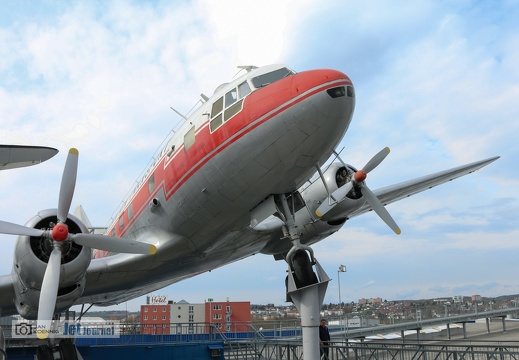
pixel 308 300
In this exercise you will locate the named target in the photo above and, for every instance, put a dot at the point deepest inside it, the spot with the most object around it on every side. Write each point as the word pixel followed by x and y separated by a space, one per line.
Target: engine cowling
pixel 31 256
pixel 335 176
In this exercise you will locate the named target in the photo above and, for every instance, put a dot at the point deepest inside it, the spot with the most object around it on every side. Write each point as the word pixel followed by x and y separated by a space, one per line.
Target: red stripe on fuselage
pixel 260 106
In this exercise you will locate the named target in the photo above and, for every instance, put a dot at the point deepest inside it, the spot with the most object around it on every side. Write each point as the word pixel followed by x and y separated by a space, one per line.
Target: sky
pixel 436 81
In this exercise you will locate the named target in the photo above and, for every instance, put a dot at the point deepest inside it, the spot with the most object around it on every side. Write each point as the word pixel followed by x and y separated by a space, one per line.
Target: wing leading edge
pixel 390 194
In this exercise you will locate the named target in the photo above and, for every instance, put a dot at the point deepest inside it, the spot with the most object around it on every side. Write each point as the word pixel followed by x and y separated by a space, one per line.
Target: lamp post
pixel 342 268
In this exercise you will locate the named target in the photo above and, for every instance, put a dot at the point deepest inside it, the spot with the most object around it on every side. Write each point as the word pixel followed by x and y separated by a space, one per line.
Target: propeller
pixel 58 235
pixel 369 196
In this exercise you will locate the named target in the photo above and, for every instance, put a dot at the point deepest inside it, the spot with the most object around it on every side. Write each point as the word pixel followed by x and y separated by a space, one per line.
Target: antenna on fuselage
pixel 179 114
pixel 247 68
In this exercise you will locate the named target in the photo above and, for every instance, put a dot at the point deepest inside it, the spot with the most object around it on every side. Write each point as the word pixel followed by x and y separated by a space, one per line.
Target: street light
pixel 342 268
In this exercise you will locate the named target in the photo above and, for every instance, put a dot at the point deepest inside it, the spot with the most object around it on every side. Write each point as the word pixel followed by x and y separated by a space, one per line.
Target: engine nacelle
pixel 31 256
pixel 335 176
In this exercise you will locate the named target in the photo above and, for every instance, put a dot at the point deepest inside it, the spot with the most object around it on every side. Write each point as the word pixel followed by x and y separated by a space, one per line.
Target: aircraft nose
pixel 312 79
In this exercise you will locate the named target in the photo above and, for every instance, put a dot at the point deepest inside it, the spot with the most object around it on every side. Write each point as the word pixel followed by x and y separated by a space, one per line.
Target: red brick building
pixel 155 319
pixel 228 316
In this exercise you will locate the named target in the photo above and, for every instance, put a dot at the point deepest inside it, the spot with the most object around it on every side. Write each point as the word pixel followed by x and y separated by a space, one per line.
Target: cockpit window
pixel 243 89
pixel 269 78
pixel 231 97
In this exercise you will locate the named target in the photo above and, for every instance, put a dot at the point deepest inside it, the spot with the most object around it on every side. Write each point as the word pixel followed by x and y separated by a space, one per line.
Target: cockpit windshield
pixel 269 78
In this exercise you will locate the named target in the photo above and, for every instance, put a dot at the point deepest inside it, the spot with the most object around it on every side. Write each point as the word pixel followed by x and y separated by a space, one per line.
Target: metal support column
pixel 308 301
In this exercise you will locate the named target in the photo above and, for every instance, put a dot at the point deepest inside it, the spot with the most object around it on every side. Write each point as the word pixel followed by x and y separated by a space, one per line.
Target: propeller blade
pixel 381 211
pixel 114 244
pixel 376 160
pixel 338 195
pixel 48 294
pixel 14 229
pixel 68 183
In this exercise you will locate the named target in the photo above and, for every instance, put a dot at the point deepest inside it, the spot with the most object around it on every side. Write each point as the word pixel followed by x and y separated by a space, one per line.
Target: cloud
pixel 437 82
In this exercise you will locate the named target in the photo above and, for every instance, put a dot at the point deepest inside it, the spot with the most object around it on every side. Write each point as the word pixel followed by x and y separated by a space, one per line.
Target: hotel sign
pixel 159 300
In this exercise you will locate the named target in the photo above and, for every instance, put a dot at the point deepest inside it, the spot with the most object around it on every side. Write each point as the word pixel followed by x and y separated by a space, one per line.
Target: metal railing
pixel 272 350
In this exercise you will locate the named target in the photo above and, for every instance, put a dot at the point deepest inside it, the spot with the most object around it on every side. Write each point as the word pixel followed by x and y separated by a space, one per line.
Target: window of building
pixel 163 309
pixel 218 325
pixel 189 139
pixel 228 309
pixel 154 317
pixel 217 316
pixel 154 309
pixel 145 309
pixel 145 317
pixel 191 309
pixel 217 306
pixel 163 317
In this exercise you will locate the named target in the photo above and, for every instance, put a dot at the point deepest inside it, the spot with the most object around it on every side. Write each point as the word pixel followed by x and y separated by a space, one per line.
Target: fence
pixel 273 350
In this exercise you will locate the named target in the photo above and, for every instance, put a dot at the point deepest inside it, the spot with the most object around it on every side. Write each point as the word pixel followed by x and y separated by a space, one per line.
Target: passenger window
pixel 231 97
pixel 243 89
pixel 121 222
pixel 130 212
pixel 189 138
pixel 233 110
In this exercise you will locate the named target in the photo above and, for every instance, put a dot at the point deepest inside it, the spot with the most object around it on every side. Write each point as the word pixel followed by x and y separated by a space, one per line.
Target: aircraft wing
pixel 15 156
pixel 390 194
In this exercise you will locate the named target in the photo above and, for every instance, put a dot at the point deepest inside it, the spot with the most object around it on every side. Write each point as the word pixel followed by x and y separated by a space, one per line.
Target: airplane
pixel 15 156
pixel 245 174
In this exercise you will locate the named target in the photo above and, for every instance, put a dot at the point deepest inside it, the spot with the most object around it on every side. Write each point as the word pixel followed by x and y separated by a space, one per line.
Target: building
pixel 186 318
pixel 161 316
pixel 155 319
pixel 370 301
pixel 228 316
